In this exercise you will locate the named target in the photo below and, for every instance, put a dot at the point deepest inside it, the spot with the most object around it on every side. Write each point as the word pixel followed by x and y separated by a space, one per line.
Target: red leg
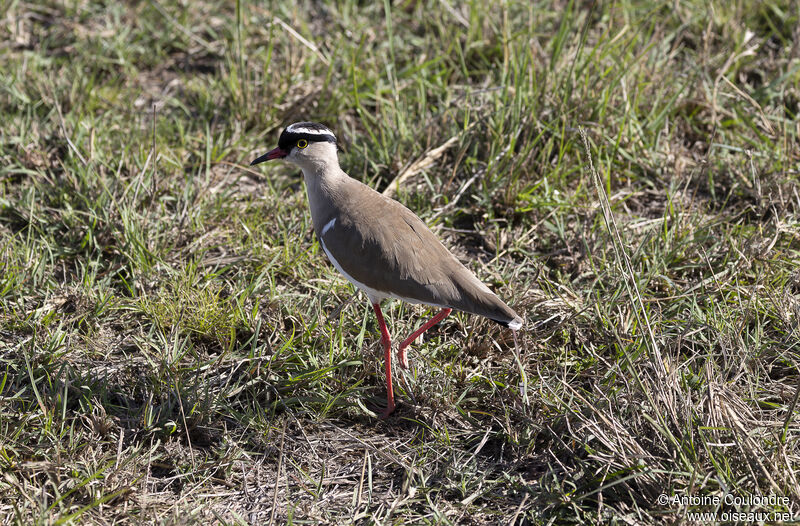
pixel 401 351
pixel 387 349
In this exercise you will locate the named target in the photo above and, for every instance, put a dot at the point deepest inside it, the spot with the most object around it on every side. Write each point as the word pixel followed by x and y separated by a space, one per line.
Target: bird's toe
pixel 402 358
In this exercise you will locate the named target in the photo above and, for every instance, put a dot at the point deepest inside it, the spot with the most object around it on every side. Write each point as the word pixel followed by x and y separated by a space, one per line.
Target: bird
pixel 383 248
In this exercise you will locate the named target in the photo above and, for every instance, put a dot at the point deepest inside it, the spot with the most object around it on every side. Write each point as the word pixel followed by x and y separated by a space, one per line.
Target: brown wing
pixel 385 246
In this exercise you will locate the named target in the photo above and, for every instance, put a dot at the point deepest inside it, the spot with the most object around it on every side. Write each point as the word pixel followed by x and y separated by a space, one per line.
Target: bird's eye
pixel 302 143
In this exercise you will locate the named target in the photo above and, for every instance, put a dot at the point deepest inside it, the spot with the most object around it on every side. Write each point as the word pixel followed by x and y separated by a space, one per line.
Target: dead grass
pixel 175 349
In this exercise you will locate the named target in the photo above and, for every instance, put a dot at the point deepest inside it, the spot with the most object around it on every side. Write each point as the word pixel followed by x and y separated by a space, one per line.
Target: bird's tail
pixel 476 298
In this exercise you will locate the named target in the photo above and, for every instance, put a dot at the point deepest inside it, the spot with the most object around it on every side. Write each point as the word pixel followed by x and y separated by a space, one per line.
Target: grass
pixel 175 348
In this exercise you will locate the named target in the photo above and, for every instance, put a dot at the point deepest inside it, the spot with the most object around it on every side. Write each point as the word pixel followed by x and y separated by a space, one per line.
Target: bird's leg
pixel 387 350
pixel 401 351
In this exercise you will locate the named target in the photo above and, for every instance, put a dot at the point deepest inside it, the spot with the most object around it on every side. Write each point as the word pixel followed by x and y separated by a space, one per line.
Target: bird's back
pixel 379 243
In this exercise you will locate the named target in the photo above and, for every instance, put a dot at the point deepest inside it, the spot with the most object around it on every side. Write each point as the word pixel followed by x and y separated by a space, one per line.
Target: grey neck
pixel 321 186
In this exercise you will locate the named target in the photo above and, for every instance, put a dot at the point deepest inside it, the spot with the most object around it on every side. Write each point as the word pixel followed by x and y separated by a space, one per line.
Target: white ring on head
pixel 293 128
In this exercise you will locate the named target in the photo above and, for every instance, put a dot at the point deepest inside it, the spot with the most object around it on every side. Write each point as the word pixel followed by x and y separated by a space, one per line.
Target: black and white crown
pixel 310 131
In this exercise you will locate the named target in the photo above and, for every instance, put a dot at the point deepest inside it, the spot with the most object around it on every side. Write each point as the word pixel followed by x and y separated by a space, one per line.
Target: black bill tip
pixel 277 153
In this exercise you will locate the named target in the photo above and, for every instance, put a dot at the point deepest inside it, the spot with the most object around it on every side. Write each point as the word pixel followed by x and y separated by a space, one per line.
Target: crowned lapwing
pixel 381 246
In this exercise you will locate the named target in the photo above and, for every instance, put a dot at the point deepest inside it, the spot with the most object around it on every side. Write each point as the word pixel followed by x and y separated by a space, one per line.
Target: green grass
pixel 175 347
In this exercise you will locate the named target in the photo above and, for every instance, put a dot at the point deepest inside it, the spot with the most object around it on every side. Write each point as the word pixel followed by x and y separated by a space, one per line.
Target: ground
pixel 176 349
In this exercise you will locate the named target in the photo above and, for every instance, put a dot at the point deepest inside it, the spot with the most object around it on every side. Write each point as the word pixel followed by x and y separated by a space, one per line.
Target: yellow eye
pixel 302 143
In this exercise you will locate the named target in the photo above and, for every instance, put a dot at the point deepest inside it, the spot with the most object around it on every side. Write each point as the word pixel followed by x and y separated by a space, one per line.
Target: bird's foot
pixel 402 358
pixel 386 412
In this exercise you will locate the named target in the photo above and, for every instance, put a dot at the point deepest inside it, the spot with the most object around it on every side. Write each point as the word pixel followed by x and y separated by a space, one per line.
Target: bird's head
pixel 306 144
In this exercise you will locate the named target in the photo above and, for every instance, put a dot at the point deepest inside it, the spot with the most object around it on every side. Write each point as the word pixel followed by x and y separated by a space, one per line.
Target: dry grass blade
pixel 277 476
pixel 307 43
pixel 427 160
pixel 623 260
